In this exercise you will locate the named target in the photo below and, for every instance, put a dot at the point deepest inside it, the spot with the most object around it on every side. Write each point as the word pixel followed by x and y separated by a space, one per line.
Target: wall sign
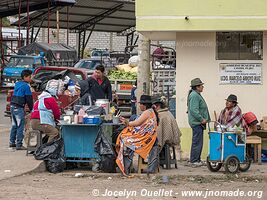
pixel 240 73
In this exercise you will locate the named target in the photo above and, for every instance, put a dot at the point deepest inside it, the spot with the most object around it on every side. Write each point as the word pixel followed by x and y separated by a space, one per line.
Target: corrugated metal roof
pixel 11 7
pixel 107 15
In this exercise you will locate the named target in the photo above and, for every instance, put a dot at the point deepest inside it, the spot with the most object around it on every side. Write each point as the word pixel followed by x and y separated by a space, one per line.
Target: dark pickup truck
pixel 63 100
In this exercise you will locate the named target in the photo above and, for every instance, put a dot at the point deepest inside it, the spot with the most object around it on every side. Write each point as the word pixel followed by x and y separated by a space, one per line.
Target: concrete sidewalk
pixel 12 162
pixel 15 163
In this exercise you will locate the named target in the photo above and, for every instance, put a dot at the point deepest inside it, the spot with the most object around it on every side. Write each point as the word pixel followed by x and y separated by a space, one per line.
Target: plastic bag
pixel 102 145
pixel 133 61
pixel 55 165
pixel 49 150
pixel 53 154
pixel 107 155
pixel 95 110
pixel 108 164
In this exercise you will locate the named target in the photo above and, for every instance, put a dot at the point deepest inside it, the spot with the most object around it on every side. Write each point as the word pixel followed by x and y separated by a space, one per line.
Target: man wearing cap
pixel 168 131
pixel 198 116
pixel 231 115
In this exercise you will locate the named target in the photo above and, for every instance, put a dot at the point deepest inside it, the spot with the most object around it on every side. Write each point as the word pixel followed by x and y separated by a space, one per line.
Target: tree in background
pixel 6 22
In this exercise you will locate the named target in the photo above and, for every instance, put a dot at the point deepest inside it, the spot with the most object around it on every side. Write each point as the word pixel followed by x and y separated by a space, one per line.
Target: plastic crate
pixel 92 120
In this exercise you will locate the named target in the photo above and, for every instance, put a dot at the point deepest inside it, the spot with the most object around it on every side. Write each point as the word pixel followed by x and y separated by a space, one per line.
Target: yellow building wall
pixel 208 15
pixel 186 141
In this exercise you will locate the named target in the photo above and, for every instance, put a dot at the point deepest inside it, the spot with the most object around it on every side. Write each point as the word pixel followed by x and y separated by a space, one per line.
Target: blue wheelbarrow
pixel 228 149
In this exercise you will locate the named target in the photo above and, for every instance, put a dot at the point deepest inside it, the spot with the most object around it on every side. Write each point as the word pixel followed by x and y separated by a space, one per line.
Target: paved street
pixel 4 121
pixel 109 186
pixel 12 162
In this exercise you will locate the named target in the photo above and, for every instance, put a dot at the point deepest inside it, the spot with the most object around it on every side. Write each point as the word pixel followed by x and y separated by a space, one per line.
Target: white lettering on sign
pixel 240 73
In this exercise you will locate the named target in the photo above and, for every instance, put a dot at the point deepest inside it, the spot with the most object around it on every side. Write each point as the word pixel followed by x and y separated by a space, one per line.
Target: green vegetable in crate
pixel 116 74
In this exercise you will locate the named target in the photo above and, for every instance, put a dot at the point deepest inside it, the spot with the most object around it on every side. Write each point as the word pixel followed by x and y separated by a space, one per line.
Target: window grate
pixel 239 45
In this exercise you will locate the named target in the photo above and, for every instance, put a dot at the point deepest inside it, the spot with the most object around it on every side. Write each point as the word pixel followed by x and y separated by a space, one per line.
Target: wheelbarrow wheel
pixel 231 164
pixel 246 165
pixel 213 166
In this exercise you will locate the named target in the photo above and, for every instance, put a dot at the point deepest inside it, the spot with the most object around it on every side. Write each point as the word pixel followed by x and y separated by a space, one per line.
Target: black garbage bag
pixel 108 163
pixel 49 149
pixel 107 155
pixel 53 155
pixel 55 165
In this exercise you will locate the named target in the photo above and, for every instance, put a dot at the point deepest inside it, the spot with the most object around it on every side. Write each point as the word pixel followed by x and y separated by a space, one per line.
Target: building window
pixel 239 45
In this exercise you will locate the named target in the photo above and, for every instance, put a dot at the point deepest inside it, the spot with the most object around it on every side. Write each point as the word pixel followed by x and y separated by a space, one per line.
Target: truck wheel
pixel 231 164
pixel 246 165
pixel 213 166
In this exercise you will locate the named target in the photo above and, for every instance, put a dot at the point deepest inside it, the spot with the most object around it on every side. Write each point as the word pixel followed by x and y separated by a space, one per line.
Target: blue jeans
pixel 18 122
pixel 197 143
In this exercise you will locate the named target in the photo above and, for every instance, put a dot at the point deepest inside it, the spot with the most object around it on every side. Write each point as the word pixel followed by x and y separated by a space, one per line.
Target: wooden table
pixel 260 133
pixel 256 141
pixel 263 135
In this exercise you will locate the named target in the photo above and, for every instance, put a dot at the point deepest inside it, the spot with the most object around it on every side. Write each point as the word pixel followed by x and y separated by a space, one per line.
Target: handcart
pixel 227 148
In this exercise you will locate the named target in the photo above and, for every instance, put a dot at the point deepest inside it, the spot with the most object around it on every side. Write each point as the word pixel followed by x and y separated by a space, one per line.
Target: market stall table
pixel 79 141
pixel 262 134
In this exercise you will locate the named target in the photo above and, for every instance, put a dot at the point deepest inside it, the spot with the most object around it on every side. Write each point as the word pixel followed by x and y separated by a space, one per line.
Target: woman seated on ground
pixel 140 137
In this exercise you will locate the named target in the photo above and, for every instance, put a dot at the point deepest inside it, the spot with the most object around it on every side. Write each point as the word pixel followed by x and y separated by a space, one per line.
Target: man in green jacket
pixel 198 116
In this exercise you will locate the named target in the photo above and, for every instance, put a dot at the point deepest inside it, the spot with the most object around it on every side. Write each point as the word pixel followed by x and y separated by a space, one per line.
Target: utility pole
pixel 143 74
pixel 57 26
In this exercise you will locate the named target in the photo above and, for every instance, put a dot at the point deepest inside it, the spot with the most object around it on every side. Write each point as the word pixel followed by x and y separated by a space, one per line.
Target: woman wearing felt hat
pixel 139 137
pixel 231 115
pixel 198 116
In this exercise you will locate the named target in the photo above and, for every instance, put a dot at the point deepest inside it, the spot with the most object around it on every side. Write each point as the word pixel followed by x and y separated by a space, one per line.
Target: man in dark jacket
pixel 22 95
pixel 98 86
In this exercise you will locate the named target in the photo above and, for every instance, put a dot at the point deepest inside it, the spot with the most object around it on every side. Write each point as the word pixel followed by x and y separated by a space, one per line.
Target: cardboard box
pixel 264 119
pixel 263 123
